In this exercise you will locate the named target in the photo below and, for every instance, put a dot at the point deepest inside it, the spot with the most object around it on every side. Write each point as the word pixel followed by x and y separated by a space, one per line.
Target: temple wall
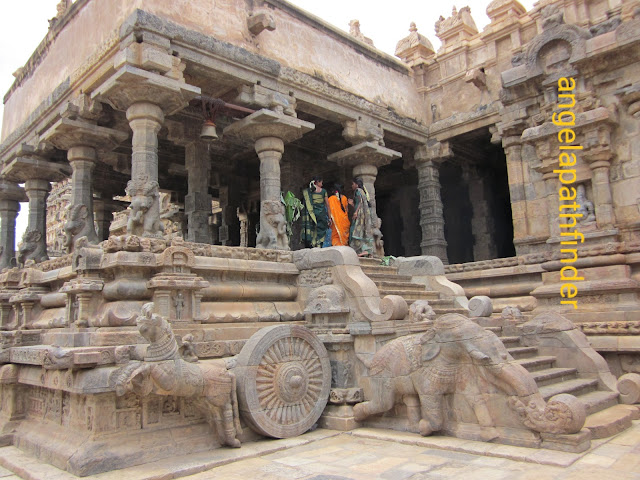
pixel 319 50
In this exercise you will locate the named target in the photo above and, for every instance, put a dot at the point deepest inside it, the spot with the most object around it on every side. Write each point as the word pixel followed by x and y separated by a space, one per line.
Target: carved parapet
pixel 629 388
pixel 363 296
pixel 563 414
pixel 557 336
pixel 429 271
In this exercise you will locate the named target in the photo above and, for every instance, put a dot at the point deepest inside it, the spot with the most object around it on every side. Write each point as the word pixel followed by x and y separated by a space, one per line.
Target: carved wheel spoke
pixel 284 379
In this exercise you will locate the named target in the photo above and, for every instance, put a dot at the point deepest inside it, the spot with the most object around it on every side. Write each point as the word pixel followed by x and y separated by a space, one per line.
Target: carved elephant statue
pixel 454 355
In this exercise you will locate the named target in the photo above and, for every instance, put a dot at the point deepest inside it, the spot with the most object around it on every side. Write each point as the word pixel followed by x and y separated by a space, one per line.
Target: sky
pixel 23 24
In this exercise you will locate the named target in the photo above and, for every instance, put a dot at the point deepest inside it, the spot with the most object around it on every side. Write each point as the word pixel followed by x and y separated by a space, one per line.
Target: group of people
pixel 326 221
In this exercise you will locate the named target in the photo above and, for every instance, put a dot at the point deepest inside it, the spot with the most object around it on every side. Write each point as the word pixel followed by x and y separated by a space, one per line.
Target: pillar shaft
pixel 516 174
pixel 553 203
pixel 198 200
pixel 431 210
pixel 8 212
pixel 272 222
pixel 35 239
pixel 81 218
pixel 602 199
pixel 145 120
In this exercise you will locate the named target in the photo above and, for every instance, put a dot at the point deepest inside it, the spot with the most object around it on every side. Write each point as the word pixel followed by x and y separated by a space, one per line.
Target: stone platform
pixel 367 454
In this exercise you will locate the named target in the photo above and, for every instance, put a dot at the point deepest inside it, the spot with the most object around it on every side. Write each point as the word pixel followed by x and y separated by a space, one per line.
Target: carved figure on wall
pixel 77 226
pixel 455 355
pixel 188 350
pixel 32 248
pixel 585 206
pixel 378 243
pixel 210 387
pixel 179 304
pixel 144 218
pixel 273 227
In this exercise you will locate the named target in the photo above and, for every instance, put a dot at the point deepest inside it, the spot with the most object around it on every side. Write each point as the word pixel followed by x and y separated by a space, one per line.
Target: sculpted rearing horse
pixel 211 387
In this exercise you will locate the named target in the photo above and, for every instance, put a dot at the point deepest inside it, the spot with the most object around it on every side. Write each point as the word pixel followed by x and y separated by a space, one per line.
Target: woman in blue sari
pixel 315 220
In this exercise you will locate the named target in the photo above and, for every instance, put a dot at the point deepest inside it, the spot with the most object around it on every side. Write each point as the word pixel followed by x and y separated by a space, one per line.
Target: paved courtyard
pixel 368 454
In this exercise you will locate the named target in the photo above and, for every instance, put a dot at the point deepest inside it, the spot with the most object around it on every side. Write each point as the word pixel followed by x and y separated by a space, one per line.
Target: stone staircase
pixel 389 282
pixel 605 415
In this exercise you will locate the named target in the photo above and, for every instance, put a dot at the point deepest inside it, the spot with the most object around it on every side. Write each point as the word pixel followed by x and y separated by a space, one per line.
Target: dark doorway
pixel 477 204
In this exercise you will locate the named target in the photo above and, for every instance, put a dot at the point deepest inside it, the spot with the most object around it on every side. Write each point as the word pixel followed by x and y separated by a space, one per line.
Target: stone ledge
pixel 28 467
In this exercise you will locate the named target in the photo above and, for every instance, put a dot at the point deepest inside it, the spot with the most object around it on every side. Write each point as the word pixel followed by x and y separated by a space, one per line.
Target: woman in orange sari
pixel 339 218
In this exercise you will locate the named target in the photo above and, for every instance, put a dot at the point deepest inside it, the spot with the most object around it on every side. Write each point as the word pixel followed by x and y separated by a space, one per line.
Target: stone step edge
pixel 611 421
pixel 29 467
pixel 524 454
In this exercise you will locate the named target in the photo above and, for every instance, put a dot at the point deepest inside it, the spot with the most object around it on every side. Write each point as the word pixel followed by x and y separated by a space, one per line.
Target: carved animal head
pixel 153 327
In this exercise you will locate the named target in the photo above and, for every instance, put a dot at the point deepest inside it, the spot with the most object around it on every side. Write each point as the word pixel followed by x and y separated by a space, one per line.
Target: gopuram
pixel 158 303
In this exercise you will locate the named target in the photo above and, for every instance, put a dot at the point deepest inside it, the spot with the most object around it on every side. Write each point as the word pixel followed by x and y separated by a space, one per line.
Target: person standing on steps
pixel 361 231
pixel 340 224
pixel 315 220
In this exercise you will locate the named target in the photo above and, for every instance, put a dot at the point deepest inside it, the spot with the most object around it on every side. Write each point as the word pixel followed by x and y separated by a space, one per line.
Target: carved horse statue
pixel 211 387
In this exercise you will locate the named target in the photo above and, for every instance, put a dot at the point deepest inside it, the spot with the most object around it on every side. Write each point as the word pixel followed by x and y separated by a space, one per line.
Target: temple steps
pixel 554 374
pixel 521 352
pixel 599 400
pixel 537 363
pixel 576 387
pixel 605 417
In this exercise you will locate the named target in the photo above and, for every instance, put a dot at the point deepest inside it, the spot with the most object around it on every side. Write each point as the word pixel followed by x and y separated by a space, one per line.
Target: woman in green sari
pixel 315 220
pixel 361 231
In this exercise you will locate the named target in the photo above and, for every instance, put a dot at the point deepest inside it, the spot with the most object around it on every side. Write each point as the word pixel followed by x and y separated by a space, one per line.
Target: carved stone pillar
pixel 37 191
pixel 153 88
pixel 82 160
pixel 78 133
pixel 197 203
pixel 602 199
pixel 145 120
pixel 517 174
pixel 10 197
pixel 431 210
pixel 270 130
pixel 31 166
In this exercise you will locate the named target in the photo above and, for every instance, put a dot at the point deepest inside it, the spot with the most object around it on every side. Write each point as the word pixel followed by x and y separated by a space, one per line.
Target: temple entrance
pixel 475 195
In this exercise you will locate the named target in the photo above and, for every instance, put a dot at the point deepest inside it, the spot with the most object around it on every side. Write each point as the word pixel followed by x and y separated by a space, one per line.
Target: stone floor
pixel 367 454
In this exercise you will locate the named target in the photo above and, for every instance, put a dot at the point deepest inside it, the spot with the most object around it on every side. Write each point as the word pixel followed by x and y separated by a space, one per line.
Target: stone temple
pixel 156 302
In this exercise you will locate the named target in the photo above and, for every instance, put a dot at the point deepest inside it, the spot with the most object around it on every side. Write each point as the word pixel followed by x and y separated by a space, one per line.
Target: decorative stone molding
pixel 456 28
pixel 500 10
pixel 362 294
pixel 480 306
pixel 430 272
pixel 629 388
pixel 415 48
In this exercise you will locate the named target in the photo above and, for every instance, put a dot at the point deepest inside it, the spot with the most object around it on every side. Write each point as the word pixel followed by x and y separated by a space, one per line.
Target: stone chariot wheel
pixel 284 378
